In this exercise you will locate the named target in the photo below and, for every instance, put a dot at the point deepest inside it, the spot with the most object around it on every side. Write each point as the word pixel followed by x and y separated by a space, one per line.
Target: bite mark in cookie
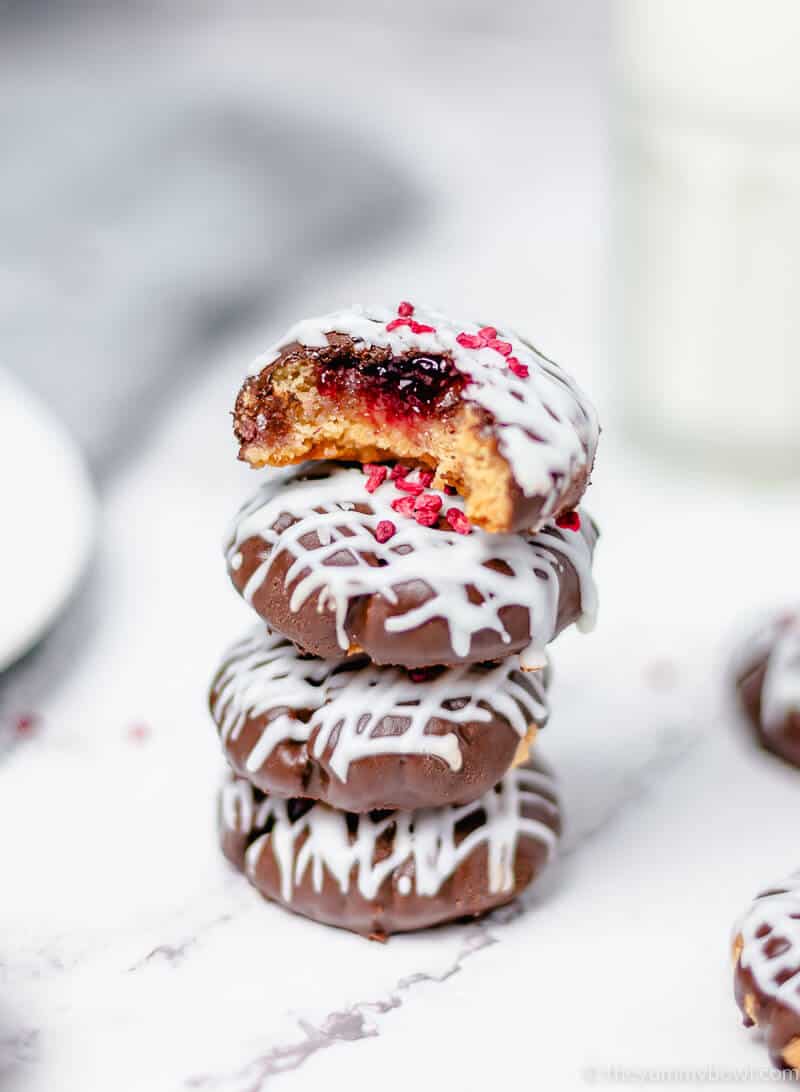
pixel 481 408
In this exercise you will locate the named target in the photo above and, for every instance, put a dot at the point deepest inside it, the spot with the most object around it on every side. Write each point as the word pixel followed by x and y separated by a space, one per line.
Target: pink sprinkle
pixel 398 471
pixel 502 347
pixel 405 310
pixel 426 509
pixel 377 476
pixel 429 502
pixel 26 724
pixel 458 521
pixel 469 341
pixel 426 477
pixel 450 490
pixel 385 530
pixel 569 521
pixel 517 367
pixel 403 505
pixel 138 733
pixel 420 674
pixel 409 487
pixel 487 332
pixel 247 430
pixel 426 517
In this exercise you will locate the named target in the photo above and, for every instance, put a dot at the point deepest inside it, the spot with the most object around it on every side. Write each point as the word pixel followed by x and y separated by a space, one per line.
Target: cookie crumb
pixel 26 724
pixel 661 674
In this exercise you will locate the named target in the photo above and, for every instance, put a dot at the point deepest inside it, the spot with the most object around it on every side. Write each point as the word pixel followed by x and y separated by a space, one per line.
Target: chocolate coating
pixel 766 953
pixel 334 731
pixel 370 618
pixel 778 732
pixel 528 511
pixel 468 888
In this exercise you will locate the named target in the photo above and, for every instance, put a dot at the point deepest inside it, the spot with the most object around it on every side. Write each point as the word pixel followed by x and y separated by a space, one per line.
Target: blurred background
pixel 175 175
pixel 618 179
pixel 181 180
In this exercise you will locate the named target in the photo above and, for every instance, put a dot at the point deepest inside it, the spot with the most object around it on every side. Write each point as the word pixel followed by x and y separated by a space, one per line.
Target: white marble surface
pixel 132 958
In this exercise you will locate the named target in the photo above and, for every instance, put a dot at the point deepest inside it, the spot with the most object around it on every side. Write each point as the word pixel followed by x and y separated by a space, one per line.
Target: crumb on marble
pixel 662 674
pixel 26 724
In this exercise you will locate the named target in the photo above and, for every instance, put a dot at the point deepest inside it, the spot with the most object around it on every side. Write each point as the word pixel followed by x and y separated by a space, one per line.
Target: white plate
pixel 47 519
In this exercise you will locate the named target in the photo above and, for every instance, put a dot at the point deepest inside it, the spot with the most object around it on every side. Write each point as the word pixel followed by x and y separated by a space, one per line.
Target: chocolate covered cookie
pixel 478 406
pixel 361 737
pixel 392 871
pixel 349 560
pixel 768 683
pixel 766 952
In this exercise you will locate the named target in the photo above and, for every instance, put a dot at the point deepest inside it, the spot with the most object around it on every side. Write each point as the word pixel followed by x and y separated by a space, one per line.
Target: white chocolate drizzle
pixel 424 850
pixel 354 705
pixel 443 560
pixel 777 641
pixel 770 931
pixel 547 429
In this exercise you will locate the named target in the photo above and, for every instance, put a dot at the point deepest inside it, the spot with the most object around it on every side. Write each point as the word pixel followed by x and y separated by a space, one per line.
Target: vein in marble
pixel 362 1019
pixel 174 954
pixel 347 1025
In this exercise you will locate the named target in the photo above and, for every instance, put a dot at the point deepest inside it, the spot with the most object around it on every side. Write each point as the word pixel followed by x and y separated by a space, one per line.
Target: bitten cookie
pixel 340 560
pixel 390 872
pixel 768 683
pixel 480 407
pixel 766 952
pixel 361 737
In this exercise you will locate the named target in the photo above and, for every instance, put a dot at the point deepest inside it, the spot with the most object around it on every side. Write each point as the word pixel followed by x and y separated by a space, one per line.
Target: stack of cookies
pixel 409 569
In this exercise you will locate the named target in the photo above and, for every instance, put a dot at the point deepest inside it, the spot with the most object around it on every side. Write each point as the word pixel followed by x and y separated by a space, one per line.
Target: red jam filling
pixel 394 391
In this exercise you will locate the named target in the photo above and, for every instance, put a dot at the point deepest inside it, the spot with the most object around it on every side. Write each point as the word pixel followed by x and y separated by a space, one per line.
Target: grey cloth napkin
pixel 139 227
pixel 143 220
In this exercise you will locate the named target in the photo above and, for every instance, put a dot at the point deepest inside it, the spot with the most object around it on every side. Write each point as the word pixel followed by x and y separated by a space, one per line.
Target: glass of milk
pixel 708 216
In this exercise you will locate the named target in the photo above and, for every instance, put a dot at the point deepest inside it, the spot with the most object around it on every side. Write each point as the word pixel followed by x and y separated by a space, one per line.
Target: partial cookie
pixel 766 952
pixel 391 872
pixel 362 737
pixel 480 407
pixel 768 682
pixel 342 561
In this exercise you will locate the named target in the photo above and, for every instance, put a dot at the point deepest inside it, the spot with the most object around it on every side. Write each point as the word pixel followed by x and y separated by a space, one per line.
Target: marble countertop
pixel 133 958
